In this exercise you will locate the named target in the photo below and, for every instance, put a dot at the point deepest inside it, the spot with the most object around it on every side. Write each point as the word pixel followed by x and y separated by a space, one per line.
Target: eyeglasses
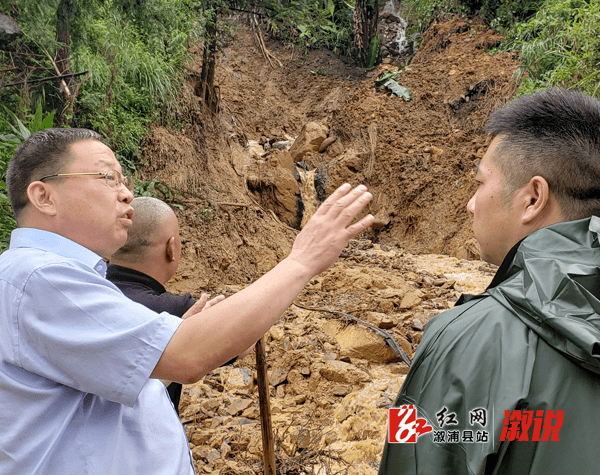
pixel 113 178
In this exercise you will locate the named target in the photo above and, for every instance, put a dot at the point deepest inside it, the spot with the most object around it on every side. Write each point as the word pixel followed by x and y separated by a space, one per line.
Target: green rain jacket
pixel 524 350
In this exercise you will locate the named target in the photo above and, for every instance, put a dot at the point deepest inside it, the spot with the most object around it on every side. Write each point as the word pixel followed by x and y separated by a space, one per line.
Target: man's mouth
pixel 128 214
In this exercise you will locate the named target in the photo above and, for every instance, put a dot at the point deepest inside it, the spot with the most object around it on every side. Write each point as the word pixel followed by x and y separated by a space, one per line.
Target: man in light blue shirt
pixel 80 364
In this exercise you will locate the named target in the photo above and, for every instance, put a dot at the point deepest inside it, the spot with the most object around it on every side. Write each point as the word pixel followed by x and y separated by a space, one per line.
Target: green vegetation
pixel 560 46
pixel 312 24
pixel 18 133
pixel 137 60
pixel 389 80
pixel 158 189
pixel 132 55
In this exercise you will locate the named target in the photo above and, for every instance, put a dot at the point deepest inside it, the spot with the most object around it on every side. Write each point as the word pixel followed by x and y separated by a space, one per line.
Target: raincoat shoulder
pixel 529 345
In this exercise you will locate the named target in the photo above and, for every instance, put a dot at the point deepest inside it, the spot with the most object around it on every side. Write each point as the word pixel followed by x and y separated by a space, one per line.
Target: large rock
pixel 239 378
pixel 410 299
pixel 340 372
pixel 310 139
pixel 9 32
pixel 238 405
pixel 271 176
pixel 357 341
pixel 278 375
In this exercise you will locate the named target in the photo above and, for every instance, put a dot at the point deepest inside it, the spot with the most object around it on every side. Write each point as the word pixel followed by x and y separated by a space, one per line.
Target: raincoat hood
pixel 551 282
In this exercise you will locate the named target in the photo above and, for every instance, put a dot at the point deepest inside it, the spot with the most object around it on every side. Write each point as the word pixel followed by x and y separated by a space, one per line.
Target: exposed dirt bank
pixel 331 380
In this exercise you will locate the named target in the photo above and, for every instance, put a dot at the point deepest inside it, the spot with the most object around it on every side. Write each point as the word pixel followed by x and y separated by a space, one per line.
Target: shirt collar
pixel 118 273
pixel 57 244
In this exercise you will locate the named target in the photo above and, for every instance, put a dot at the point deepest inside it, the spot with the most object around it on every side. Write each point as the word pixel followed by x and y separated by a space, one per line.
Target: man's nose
pixel 125 195
pixel 471 205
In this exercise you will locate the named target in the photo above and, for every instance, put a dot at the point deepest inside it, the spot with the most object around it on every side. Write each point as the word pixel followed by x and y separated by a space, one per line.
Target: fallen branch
pixel 51 78
pixel 263 48
pixel 225 203
pixel 62 81
pixel 389 339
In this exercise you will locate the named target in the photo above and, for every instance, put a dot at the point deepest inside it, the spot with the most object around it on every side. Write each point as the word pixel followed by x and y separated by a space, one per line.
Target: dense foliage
pixel 313 23
pixel 560 46
pixel 8 143
pixel 132 53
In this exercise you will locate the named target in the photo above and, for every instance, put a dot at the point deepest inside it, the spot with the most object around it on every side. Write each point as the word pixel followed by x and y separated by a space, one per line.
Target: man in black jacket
pixel 148 259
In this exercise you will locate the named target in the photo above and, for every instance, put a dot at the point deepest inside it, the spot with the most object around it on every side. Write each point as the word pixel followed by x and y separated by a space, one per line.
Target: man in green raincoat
pixel 508 382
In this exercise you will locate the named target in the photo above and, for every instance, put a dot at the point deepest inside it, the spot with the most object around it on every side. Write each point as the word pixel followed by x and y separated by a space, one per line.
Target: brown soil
pixel 332 379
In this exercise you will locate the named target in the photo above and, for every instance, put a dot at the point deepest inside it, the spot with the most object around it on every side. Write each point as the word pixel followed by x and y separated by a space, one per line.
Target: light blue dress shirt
pixel 75 361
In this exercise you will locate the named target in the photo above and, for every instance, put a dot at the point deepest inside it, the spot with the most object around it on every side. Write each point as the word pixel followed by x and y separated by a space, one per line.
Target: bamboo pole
pixel 265 409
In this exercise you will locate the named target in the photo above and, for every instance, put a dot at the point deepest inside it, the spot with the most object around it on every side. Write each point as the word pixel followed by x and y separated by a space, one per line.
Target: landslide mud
pixel 331 378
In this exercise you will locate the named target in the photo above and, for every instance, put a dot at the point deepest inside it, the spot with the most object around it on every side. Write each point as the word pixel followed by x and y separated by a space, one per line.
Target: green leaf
pixel 13 139
pixel 330 8
pixel 398 90
pixel 23 131
pixel 48 122
pixel 36 122
pixel 374 48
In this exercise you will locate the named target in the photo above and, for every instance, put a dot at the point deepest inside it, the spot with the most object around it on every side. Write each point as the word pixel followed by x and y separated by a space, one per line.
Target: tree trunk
pixel 63 62
pixel 209 59
pixel 63 35
pixel 365 30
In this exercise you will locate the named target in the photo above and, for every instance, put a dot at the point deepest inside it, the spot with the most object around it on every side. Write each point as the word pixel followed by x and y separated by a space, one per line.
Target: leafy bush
pixel 420 13
pixel 313 23
pixel 134 51
pixel 137 59
pixel 16 135
pixel 503 12
pixel 560 46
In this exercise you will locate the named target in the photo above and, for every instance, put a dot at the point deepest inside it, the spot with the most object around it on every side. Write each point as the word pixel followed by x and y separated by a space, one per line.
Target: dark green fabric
pixel 530 342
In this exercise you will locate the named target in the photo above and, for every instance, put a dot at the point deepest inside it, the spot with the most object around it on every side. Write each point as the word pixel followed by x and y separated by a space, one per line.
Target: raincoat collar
pixel 551 281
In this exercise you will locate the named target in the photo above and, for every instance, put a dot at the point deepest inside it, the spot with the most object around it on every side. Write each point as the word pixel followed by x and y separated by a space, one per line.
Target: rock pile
pixel 331 379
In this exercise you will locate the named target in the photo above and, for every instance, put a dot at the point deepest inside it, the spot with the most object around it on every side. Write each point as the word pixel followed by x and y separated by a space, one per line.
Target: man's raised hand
pixel 322 239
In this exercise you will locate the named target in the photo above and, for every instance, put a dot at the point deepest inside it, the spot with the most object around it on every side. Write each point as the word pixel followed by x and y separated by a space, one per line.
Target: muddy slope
pixel 331 377
pixel 417 156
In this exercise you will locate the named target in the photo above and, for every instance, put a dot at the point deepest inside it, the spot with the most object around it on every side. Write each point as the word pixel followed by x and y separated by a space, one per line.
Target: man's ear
pixel 536 197
pixel 41 197
pixel 171 249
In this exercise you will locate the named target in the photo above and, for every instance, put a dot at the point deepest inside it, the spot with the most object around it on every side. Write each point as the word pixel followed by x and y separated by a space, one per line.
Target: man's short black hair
pixel 554 134
pixel 43 153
